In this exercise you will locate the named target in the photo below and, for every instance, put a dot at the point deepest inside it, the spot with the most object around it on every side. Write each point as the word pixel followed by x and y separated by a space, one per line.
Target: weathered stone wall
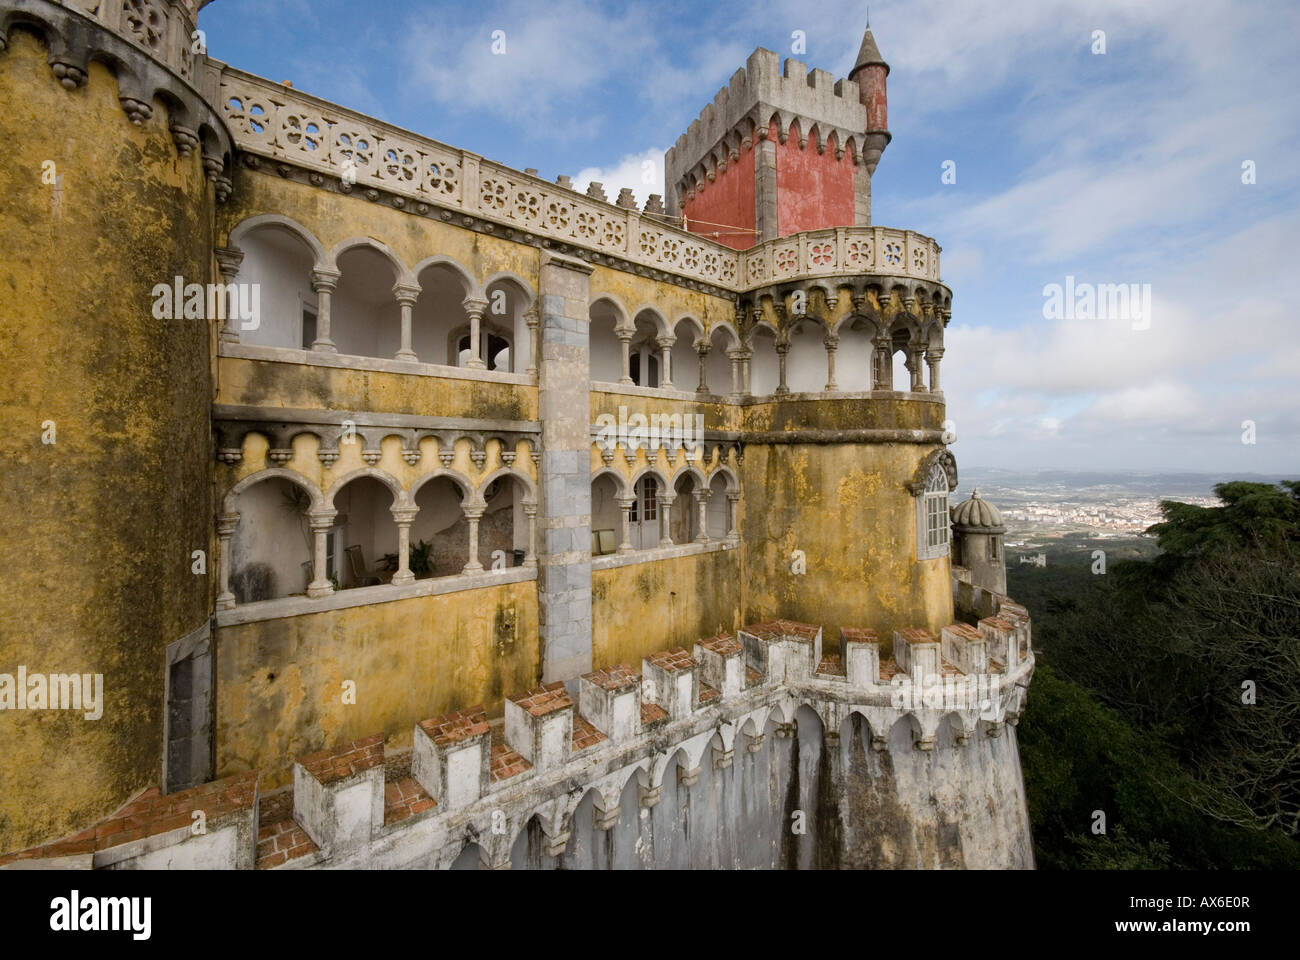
pixel 847 508
pixel 859 808
pixel 97 556
pixel 280 682
pixel 644 607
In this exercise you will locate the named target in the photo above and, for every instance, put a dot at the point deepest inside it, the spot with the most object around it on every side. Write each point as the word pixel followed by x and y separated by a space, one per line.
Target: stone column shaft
pixel 324 282
pixel 406 297
pixel 321 524
pixel 473 515
pixel 225 533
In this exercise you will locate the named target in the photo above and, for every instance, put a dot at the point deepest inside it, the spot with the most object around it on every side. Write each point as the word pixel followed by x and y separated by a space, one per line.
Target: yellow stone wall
pixel 280 683
pixel 276 383
pixel 645 607
pixel 96 553
pixel 847 507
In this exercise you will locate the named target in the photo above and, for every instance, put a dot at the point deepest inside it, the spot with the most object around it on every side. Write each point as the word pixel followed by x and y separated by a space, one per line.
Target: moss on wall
pixel 280 683
pixel 644 607
pixel 272 383
pixel 96 556
pixel 847 507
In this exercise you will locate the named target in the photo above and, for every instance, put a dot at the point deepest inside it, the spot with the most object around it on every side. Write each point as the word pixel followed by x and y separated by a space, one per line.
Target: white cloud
pixel 643 172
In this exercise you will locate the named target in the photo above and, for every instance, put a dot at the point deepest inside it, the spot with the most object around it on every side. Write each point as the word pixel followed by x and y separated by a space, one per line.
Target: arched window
pixel 932 516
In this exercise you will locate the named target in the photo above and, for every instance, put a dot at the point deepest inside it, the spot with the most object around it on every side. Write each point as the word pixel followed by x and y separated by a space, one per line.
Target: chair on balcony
pixel 360 575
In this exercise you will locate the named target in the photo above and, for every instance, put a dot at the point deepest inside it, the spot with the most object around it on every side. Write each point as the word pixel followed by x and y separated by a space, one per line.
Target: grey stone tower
pixel 977 542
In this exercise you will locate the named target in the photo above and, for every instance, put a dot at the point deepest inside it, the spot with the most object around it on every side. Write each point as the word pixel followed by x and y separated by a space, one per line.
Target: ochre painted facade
pixel 104 520
pixel 167 429
pixel 282 685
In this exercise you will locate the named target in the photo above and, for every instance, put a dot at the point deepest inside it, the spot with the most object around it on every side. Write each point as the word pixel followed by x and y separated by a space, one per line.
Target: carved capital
pixel 324 280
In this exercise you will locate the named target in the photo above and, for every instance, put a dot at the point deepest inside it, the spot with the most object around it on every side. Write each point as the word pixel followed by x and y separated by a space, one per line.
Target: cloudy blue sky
pixel 1117 168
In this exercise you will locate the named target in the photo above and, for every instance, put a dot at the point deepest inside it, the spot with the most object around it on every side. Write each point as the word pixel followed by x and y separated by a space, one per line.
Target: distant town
pixel 1050 505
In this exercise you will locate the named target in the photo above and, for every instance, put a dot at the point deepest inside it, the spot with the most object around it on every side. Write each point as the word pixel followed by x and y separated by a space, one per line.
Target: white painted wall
pixel 270 532
pixel 853 358
pixel 365 320
pixel 719 364
pixel 685 360
pixel 717 512
pixel 604 506
pixel 281 264
pixel 364 508
pixel 764 368
pixel 606 355
pixel 806 364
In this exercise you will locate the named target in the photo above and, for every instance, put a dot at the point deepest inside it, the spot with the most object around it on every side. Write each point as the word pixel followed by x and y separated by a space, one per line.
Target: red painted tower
pixel 780 151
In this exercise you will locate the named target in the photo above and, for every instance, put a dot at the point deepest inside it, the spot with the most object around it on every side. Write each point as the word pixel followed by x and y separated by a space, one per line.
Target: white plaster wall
pixel 853 359
pixel 806 364
pixel 764 368
pixel 718 366
pixel 281 265
pixel 604 506
pixel 270 532
pixel 366 503
pixel 606 355
pixel 685 361
pixel 717 511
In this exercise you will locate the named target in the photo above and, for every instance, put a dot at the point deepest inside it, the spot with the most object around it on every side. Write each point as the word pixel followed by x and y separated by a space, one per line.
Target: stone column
pixel 228 261
pixel 530 555
pixel 734 357
pixel 226 525
pixel 404 516
pixel 831 342
pixel 324 282
pixel 782 352
pixel 746 356
pixel 321 524
pixel 884 379
pixel 702 498
pixel 406 295
pixel 475 308
pixel 914 368
pixel 564 402
pixel 473 515
pixel 932 357
pixel 625 523
pixel 531 318
pixel 703 348
pixel 665 519
pixel 665 345
pixel 625 347
pixel 732 533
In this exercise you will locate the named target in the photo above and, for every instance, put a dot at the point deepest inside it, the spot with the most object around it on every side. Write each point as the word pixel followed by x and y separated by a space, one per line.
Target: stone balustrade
pixel 359 153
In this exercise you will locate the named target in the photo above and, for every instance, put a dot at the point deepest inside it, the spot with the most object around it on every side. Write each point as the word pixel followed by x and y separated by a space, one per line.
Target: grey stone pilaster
pixel 765 214
pixel 861 196
pixel 564 518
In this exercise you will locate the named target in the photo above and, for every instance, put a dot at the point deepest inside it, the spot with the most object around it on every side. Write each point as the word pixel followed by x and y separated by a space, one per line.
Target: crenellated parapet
pixel 469 779
pixel 819 110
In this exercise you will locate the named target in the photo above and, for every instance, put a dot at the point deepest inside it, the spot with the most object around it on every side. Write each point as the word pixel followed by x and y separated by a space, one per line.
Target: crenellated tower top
pixel 782 149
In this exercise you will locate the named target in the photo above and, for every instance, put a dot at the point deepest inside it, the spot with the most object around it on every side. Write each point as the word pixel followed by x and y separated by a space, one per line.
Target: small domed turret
pixel 978 515
pixel 977 542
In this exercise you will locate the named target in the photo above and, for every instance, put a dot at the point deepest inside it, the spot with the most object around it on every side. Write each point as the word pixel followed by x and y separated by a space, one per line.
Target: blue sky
pixel 1117 168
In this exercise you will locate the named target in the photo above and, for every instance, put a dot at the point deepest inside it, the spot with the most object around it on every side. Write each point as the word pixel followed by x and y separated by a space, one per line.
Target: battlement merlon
pixel 853 110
